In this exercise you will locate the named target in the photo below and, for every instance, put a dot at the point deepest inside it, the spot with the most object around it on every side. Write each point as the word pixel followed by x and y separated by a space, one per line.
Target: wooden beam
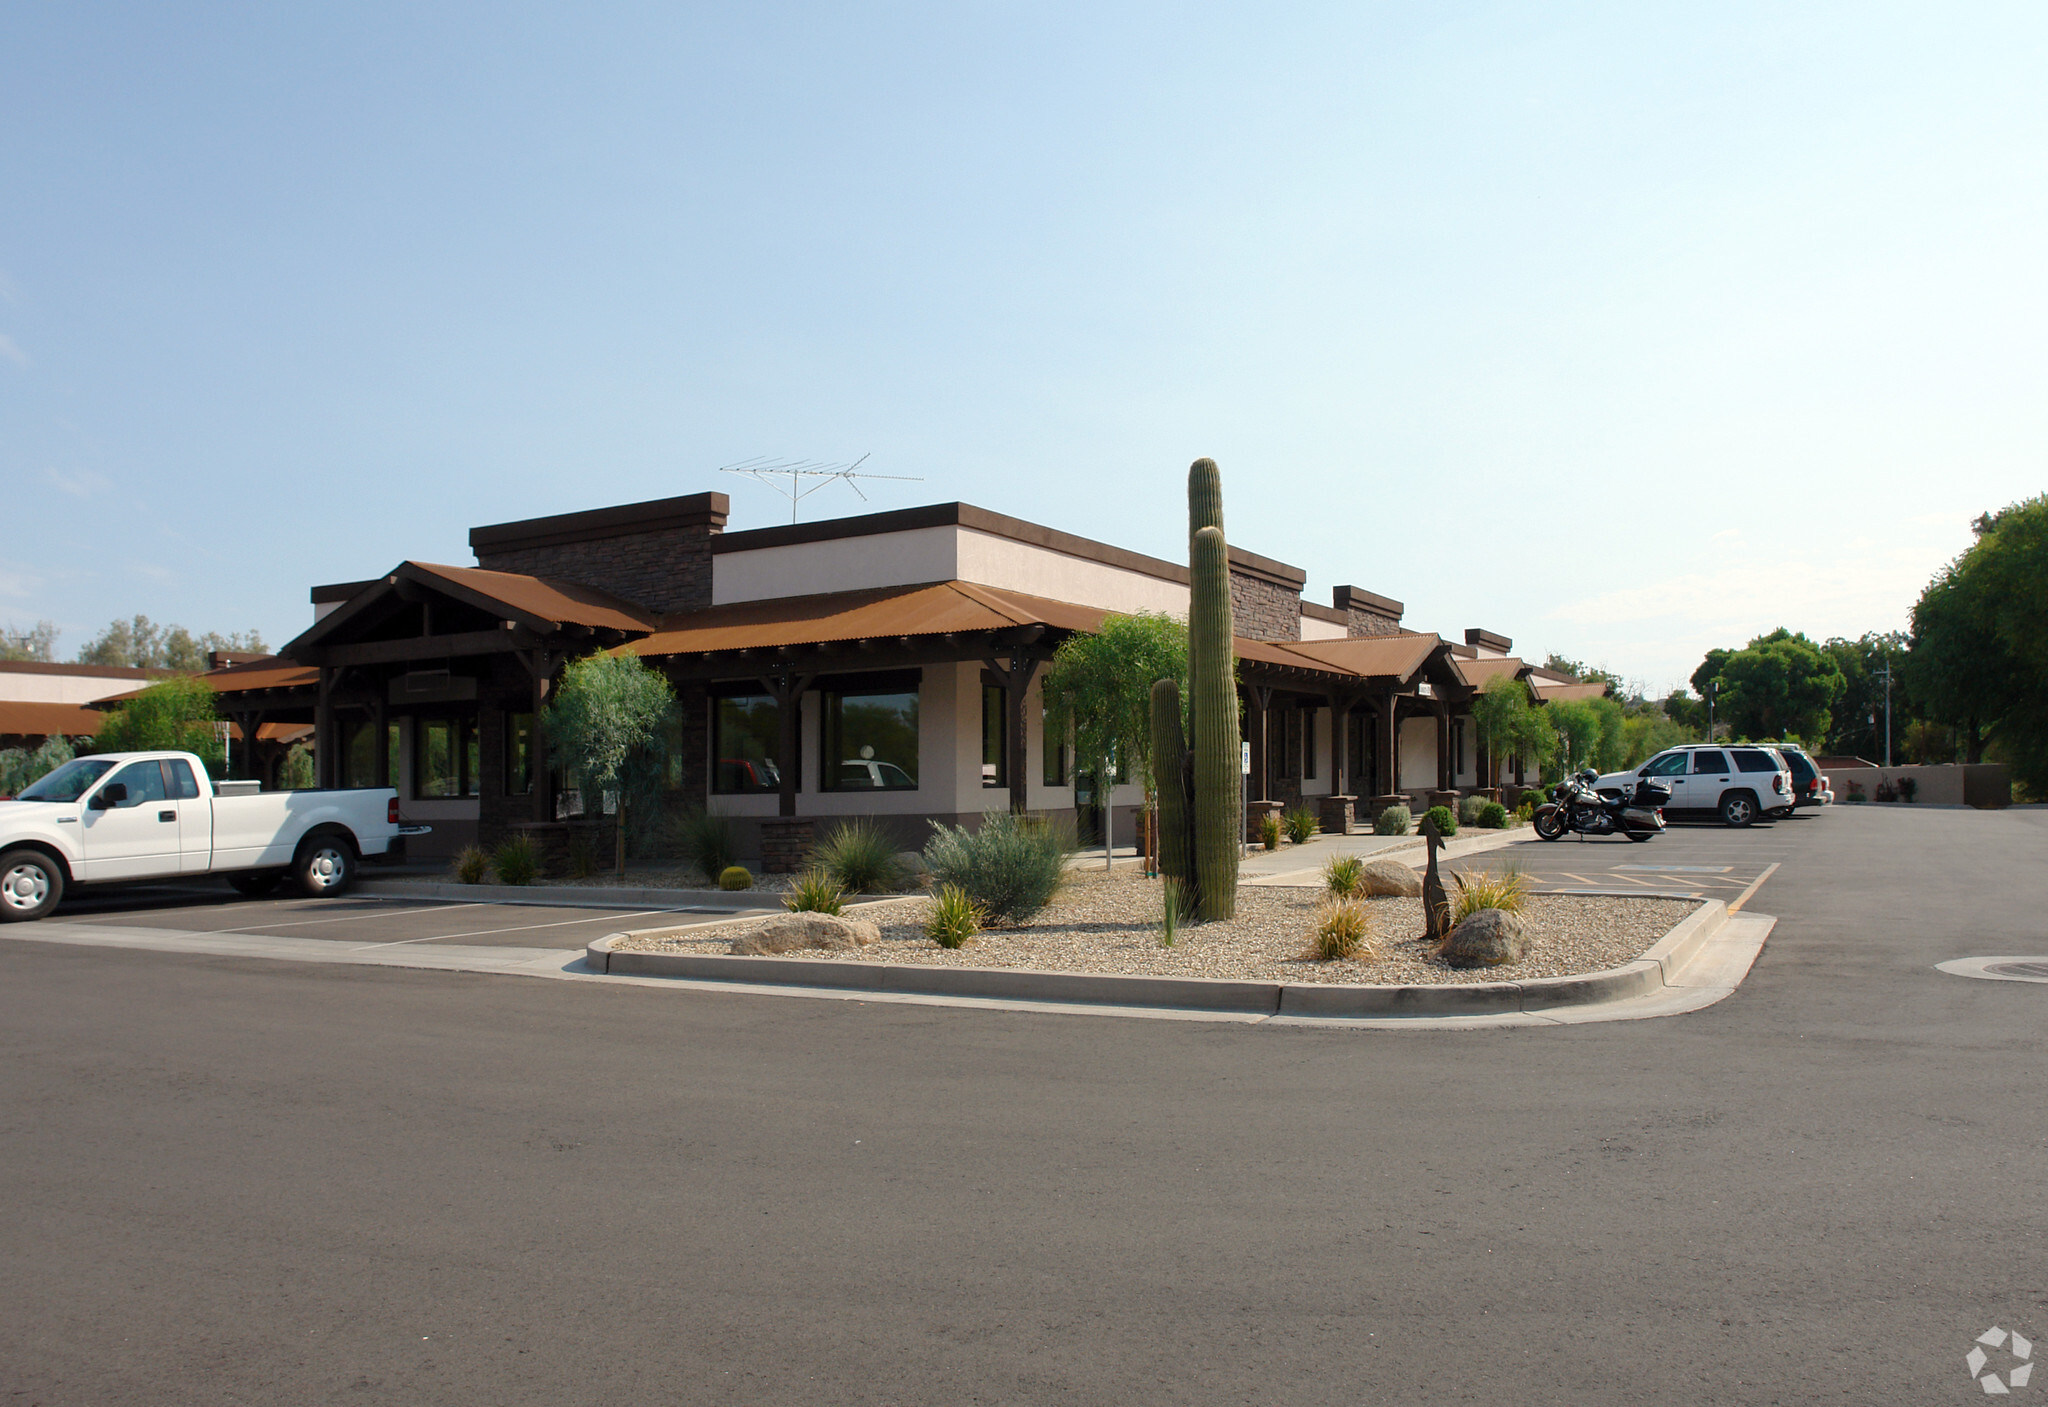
pixel 428 647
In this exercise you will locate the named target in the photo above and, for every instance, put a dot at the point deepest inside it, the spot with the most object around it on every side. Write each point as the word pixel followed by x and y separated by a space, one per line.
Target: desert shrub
pixel 1010 868
pixel 814 892
pixel 1344 875
pixel 1469 808
pixel 860 858
pixel 1395 820
pixel 1909 787
pixel 707 841
pixel 471 865
pixel 1173 908
pixel 1302 824
pixel 954 918
pixel 1493 816
pixel 735 877
pixel 517 861
pixel 1343 930
pixel 1446 824
pixel 1506 890
pixel 1269 832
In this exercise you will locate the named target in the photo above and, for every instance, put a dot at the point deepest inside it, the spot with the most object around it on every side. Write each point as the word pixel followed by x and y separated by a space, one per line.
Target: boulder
pixel 1487 938
pixel 1389 877
pixel 911 865
pixel 793 931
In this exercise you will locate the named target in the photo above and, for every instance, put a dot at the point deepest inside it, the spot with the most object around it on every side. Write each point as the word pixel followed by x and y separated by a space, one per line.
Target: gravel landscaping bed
pixel 1110 924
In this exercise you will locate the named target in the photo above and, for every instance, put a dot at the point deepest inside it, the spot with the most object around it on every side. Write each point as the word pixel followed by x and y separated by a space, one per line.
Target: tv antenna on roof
pixel 772 471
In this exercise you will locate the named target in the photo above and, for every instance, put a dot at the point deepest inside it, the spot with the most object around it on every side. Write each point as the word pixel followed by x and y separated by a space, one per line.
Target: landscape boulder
pixel 1389 877
pixel 793 931
pixel 1487 938
pixel 911 865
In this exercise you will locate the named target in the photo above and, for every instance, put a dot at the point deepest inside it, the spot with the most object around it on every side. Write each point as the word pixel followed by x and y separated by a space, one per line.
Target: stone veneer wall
pixel 666 570
pixel 1371 623
pixel 1265 610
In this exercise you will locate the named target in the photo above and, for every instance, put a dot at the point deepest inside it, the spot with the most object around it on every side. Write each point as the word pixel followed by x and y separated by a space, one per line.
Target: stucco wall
pixel 62 688
pixel 946 553
pixel 1984 785
pixel 1313 629
pixel 1417 740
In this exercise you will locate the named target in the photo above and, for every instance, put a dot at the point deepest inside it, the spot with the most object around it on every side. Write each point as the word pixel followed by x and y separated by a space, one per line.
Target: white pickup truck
pixel 154 815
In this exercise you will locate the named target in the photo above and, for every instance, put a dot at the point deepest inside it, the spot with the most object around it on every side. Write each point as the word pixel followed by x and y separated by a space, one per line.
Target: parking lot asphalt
pixel 234 1181
pixel 1704 859
pixel 362 921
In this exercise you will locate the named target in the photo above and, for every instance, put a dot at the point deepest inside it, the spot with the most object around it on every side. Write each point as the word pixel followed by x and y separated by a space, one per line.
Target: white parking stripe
pixel 342 918
pixel 522 928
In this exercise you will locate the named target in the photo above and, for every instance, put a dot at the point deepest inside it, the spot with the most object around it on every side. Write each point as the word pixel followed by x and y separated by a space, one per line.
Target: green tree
pixel 1647 732
pixel 19 766
pixel 1585 674
pixel 608 723
pixel 174 714
pixel 37 642
pixel 143 644
pixel 1780 685
pixel 1508 724
pixel 1856 728
pixel 1979 659
pixel 1098 691
pixel 1590 733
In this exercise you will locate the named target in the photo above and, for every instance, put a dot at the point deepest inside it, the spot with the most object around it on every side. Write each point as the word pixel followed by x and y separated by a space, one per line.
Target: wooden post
pixel 323 730
pixel 380 752
pixel 1015 679
pixel 788 692
pixel 1262 742
pixel 1389 746
pixel 541 665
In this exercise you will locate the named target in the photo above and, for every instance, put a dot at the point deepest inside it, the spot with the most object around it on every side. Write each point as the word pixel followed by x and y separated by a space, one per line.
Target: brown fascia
pixel 1486 639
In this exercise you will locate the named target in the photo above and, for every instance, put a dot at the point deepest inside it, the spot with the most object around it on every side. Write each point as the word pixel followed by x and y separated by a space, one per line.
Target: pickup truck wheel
pixel 31 883
pixel 325 866
pixel 256 883
pixel 1738 809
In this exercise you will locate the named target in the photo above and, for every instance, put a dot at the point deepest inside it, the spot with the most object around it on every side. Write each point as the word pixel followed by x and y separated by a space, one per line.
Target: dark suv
pixel 1808 785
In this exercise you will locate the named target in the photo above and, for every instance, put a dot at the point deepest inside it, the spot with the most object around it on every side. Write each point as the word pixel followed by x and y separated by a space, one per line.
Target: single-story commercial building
pixel 885 665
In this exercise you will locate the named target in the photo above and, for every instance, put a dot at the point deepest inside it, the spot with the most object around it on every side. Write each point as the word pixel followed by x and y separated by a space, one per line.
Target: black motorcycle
pixel 1575 806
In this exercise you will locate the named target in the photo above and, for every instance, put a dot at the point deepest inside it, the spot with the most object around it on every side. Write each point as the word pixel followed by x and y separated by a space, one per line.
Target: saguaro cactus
pixel 1212 716
pixel 1205 497
pixel 1169 783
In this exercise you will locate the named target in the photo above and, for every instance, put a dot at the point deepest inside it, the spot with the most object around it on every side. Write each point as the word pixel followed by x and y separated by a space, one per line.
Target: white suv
pixel 1737 782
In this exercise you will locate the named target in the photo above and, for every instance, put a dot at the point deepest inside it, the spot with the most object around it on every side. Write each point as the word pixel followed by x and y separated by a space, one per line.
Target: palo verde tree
pixel 1508 725
pixel 175 714
pixel 608 723
pixel 1098 692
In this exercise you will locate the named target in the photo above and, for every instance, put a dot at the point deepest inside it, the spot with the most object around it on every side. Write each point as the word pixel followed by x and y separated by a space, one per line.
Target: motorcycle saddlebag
pixel 1642 820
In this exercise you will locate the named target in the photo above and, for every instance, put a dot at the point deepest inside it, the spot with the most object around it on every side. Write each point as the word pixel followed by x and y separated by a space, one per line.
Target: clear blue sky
pixel 1622 329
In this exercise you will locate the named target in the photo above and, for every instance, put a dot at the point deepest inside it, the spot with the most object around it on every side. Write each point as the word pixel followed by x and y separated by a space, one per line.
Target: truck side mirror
pixel 110 795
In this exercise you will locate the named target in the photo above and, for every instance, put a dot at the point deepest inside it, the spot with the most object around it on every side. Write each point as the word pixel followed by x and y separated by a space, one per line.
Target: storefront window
pixel 995 736
pixel 518 754
pixel 1058 760
pixel 359 753
pixel 871 741
pixel 444 757
pixel 747 736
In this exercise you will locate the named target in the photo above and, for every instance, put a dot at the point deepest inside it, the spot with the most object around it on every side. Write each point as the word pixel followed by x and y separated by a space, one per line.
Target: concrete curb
pixel 1657 968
